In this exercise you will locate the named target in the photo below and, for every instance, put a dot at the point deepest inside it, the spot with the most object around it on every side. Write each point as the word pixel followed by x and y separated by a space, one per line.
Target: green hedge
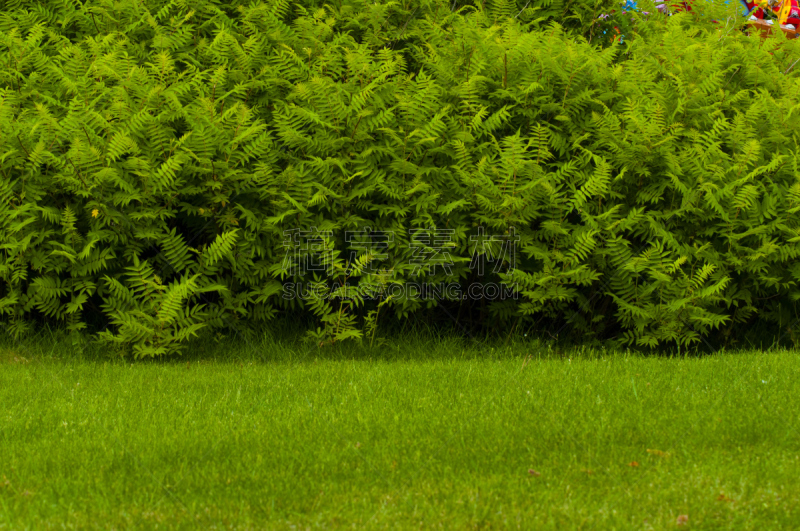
pixel 153 155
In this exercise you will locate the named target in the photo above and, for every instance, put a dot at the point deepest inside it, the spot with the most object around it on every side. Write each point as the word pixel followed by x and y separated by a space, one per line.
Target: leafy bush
pixel 156 156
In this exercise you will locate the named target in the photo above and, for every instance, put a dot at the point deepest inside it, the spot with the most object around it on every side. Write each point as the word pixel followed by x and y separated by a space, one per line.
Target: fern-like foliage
pixel 155 154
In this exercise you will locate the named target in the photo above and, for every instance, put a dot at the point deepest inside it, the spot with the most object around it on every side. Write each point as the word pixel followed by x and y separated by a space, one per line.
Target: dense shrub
pixel 153 155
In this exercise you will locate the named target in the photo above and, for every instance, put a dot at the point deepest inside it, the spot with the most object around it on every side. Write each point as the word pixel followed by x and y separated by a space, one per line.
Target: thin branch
pixel 23 146
pixel 87 134
pixel 95 22
pixel 523 9
pixel 404 27
pixel 790 67
pixel 78 172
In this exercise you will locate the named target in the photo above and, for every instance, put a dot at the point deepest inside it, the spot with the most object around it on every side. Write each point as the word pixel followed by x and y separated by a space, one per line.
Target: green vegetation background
pixel 153 153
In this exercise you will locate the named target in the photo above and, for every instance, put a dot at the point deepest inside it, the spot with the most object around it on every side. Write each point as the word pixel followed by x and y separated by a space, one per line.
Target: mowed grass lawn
pixel 431 435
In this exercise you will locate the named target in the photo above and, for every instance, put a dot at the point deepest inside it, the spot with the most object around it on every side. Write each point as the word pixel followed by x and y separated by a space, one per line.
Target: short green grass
pixel 415 434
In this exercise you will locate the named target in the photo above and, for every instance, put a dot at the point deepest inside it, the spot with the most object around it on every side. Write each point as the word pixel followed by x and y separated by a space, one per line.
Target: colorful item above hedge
pixel 661 5
pixel 672 6
pixel 784 12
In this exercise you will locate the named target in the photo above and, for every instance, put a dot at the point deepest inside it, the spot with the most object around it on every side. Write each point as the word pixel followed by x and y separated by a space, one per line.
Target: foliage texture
pixel 156 156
